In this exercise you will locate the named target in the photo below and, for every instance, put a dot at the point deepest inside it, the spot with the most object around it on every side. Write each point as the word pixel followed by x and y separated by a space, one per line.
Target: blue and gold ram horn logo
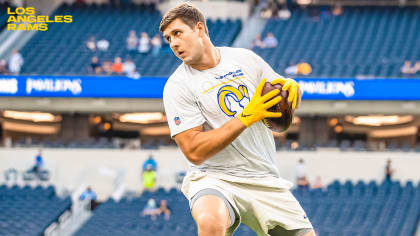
pixel 227 93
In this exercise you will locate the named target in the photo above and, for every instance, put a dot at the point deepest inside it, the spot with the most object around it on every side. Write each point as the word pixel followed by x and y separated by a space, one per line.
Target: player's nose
pixel 175 43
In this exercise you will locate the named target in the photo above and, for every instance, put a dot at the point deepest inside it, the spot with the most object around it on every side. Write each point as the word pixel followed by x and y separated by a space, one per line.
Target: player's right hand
pixel 256 109
pixel 292 86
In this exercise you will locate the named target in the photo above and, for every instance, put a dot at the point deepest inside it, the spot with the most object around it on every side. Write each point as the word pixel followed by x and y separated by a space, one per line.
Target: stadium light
pixel 338 129
pixel 304 2
pixel 31 128
pixel 96 120
pixel 333 122
pixel 394 133
pixel 156 131
pixel 107 126
pixel 378 120
pixel 143 118
pixel 31 116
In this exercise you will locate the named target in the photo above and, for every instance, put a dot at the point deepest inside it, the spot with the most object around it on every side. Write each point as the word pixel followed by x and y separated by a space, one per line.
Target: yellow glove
pixel 293 87
pixel 256 109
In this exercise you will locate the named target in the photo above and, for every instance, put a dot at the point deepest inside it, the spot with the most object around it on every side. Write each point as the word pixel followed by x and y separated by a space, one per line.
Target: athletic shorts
pixel 260 203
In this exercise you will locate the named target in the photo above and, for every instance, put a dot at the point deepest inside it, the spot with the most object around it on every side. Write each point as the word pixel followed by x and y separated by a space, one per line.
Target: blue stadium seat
pixel 344 209
pixel 4 16
pixel 61 50
pixel 28 211
pixel 339 47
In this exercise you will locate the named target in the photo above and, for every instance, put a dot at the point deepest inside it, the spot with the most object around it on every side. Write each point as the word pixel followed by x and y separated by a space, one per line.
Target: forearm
pixel 204 145
pixel 199 145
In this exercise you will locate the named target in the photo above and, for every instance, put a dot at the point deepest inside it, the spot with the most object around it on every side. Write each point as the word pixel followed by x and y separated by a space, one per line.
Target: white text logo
pixel 8 86
pixel 54 85
pixel 327 88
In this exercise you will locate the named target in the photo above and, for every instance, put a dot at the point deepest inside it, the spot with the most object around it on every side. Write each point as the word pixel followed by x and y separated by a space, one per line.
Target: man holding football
pixel 214 107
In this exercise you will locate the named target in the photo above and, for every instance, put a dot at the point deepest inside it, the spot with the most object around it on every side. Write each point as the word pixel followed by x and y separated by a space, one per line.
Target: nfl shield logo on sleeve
pixel 177 120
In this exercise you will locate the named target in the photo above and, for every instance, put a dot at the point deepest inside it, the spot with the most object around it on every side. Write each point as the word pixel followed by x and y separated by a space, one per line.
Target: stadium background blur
pixel 358 64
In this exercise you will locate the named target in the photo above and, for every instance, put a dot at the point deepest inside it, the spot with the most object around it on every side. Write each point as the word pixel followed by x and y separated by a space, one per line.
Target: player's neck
pixel 210 59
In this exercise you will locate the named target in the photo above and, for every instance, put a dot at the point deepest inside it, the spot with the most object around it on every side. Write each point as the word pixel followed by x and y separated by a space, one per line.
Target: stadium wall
pixel 72 168
pixel 88 94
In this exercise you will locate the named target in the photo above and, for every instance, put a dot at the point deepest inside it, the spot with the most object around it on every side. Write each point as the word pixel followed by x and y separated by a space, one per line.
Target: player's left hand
pixel 294 91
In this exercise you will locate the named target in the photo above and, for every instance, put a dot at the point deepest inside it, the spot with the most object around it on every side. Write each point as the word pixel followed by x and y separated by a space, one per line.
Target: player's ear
pixel 201 29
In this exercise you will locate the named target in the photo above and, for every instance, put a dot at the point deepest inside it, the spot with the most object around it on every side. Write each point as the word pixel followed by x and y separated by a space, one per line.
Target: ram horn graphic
pixel 237 94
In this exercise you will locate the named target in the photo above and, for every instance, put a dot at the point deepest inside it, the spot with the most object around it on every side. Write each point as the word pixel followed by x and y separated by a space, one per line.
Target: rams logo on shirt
pixel 230 97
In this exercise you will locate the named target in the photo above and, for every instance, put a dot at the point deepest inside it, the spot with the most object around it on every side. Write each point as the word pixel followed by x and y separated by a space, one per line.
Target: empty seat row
pixel 29 211
pixel 387 208
pixel 62 51
pixel 363 41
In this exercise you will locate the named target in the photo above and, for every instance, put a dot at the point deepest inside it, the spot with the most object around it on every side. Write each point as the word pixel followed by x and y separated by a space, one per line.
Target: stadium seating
pixel 347 209
pixel 61 50
pixel 344 209
pixel 3 15
pixel 123 218
pixel 363 41
pixel 28 211
pixel 335 46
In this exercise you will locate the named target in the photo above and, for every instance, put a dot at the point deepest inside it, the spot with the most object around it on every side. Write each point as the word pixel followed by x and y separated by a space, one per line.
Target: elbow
pixel 194 159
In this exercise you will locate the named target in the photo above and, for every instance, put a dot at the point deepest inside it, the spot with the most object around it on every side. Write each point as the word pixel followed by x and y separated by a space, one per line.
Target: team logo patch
pixel 177 120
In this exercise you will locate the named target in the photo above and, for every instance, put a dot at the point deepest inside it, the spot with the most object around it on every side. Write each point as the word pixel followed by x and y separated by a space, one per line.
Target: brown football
pixel 283 123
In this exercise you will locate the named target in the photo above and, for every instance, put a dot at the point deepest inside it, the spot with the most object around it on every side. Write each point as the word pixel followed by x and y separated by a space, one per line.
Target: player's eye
pixel 177 33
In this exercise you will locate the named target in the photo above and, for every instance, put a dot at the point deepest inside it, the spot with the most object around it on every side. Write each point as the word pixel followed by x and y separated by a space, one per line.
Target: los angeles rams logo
pixel 229 94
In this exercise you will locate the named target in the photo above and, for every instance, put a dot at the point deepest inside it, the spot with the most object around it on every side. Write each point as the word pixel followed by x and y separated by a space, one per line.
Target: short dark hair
pixel 189 14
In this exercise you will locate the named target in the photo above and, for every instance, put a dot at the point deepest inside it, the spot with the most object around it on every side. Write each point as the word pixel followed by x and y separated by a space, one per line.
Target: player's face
pixel 186 43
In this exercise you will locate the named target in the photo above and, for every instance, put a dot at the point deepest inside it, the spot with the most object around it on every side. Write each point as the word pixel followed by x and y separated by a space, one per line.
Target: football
pixel 283 123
